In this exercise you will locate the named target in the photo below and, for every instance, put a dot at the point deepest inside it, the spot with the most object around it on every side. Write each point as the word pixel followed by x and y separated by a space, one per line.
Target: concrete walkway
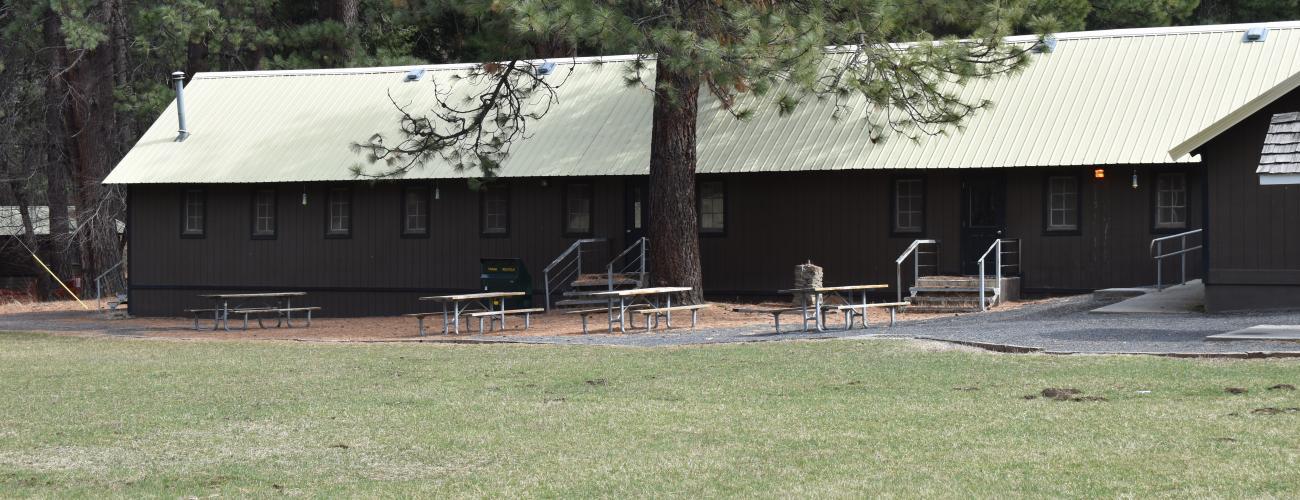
pixel 1182 299
pixel 1262 332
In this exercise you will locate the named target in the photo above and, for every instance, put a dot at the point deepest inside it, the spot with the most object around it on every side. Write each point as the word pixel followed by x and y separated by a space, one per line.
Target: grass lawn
pixel 89 416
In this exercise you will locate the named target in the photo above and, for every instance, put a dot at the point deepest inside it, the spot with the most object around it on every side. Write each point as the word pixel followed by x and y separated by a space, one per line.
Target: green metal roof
pixel 1100 98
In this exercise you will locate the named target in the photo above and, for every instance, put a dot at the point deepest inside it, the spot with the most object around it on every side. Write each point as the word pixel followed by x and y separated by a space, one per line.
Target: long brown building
pixel 1107 141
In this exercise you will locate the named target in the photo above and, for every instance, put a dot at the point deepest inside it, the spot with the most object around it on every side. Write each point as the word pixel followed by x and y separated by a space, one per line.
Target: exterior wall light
pixel 1135 178
pixel 1099 173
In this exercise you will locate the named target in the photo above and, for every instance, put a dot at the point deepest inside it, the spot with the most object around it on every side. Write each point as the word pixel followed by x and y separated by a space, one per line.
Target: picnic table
pixel 468 302
pixel 816 311
pixel 651 296
pixel 279 303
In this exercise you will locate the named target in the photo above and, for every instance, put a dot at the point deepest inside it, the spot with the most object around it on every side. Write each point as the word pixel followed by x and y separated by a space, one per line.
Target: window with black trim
pixel 415 211
pixel 1171 201
pixel 264 213
pixel 577 208
pixel 338 211
pixel 1062 203
pixel 495 211
pixel 194 213
pixel 713 207
pixel 909 206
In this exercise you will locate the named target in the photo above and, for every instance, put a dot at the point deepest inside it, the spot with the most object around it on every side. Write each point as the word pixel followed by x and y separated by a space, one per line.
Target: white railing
pixel 914 251
pixel 636 265
pixel 1157 249
pixel 565 268
pixel 997 251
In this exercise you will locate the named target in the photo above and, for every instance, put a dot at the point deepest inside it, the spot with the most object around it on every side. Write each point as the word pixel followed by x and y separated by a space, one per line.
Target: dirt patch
pixel 14 306
pixel 1274 411
pixel 1282 387
pixel 1235 390
pixel 69 317
pixel 1059 394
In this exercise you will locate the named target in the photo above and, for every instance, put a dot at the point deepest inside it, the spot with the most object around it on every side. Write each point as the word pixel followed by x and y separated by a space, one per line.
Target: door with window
pixel 636 211
pixel 983 218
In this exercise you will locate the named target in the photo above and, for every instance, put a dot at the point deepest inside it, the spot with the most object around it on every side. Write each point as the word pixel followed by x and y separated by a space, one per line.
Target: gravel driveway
pixel 1061 325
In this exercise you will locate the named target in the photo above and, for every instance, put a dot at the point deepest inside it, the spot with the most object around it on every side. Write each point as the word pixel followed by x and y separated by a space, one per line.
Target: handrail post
pixel 1182 259
pixel 546 283
pixel 898 269
pixel 1159 268
pixel 981 266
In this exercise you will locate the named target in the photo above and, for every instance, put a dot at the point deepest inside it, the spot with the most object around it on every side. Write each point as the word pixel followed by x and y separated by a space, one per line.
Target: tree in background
pixel 733 49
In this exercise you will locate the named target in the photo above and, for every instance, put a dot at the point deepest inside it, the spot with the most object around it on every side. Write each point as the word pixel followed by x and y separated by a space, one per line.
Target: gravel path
pixel 1060 325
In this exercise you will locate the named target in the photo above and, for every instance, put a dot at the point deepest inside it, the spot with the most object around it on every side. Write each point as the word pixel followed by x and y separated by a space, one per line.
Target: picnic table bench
pixel 282 309
pixel 499 317
pixel 652 315
pixel 850 294
pixel 649 296
pixel 473 303
pixel 584 313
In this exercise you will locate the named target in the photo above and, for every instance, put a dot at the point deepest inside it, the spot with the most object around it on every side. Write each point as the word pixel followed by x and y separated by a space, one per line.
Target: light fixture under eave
pixel 1099 173
pixel 1135 179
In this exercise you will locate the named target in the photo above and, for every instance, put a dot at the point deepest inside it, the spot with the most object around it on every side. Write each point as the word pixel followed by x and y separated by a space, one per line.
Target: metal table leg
pixel 444 317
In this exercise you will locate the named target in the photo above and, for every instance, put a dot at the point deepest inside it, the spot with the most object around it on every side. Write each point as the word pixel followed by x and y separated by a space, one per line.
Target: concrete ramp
pixel 1182 299
pixel 1261 332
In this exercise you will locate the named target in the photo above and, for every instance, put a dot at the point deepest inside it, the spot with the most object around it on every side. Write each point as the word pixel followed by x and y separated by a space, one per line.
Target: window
pixel 1171 201
pixel 415 211
pixel 713 207
pixel 338 213
pixel 577 209
pixel 495 211
pixel 264 214
pixel 1063 203
pixel 194 213
pixel 909 206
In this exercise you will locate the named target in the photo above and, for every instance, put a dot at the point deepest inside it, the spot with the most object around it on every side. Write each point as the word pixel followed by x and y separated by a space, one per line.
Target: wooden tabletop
pixel 253 295
pixel 641 291
pixel 825 289
pixel 473 296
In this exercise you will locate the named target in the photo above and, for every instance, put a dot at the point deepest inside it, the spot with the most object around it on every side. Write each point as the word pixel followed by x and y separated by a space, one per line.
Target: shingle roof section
pixel 1101 98
pixel 1281 154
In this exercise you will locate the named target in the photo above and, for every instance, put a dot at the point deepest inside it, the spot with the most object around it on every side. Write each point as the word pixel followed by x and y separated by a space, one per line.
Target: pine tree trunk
pixel 60 248
pixel 93 121
pixel 674 236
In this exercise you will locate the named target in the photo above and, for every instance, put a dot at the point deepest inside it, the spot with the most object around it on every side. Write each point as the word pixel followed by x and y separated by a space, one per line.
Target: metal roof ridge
pixel 401 69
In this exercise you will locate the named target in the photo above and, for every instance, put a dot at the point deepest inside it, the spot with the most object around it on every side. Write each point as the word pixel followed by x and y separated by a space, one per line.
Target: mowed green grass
pixel 94 416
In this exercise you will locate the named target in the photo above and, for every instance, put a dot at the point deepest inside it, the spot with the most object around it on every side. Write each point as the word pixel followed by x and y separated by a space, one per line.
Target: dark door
pixel 636 211
pixel 983 218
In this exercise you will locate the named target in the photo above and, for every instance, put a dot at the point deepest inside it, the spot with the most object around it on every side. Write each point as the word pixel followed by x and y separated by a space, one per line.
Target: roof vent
pixel 414 75
pixel 178 78
pixel 546 68
pixel 1256 34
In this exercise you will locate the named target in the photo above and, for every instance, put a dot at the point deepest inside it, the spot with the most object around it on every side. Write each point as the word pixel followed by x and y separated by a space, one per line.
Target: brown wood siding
pixel 1254 230
pixel 839 220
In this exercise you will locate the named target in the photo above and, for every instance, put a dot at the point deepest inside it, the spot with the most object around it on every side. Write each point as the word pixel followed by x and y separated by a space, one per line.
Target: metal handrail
pixel 1157 248
pixel 912 250
pixel 640 260
pixel 577 262
pixel 99 280
pixel 997 244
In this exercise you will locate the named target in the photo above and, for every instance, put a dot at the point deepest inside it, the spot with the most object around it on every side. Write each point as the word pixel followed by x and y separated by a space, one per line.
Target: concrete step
pixel 952 290
pixel 117 314
pixel 601 280
pixel 579 302
pixel 951 281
